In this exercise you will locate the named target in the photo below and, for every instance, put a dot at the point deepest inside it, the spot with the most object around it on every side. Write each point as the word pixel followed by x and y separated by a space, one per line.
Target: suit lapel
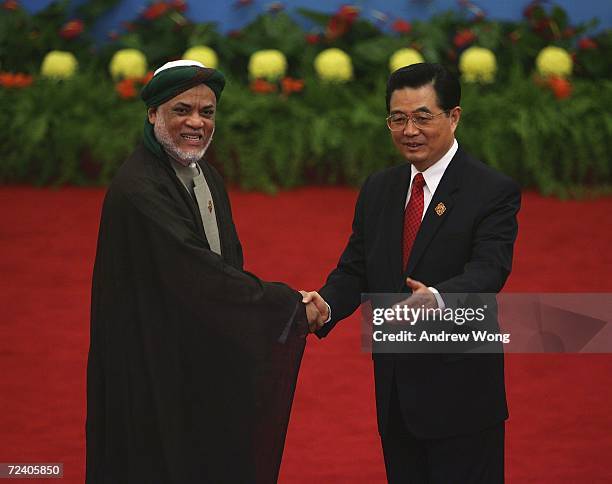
pixel 394 218
pixel 443 201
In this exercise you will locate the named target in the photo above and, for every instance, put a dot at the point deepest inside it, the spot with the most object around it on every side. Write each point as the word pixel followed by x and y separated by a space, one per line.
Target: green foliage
pixel 73 131
pixel 79 131
pixel 554 145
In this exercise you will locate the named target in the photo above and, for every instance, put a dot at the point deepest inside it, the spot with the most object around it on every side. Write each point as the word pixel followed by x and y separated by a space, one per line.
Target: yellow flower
pixel 128 64
pixel 478 65
pixel 554 61
pixel 203 54
pixel 58 64
pixel 268 64
pixel 334 65
pixel 405 57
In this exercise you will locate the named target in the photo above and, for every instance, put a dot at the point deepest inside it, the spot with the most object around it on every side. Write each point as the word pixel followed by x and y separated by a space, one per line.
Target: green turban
pixel 172 79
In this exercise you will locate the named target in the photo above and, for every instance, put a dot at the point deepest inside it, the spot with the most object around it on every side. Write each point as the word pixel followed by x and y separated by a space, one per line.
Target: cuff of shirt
pixel 436 293
pixel 328 312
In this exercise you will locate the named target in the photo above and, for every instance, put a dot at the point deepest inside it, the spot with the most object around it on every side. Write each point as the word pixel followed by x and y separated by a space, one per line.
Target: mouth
pixel 192 139
pixel 412 145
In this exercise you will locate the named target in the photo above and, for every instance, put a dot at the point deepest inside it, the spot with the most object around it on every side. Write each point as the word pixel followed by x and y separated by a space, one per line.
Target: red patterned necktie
pixel 412 216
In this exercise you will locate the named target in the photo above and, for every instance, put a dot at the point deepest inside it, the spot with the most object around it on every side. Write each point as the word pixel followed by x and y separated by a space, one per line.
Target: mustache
pixel 183 157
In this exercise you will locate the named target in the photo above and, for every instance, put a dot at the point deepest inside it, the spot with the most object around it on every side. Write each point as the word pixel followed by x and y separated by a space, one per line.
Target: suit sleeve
pixel 492 244
pixel 346 283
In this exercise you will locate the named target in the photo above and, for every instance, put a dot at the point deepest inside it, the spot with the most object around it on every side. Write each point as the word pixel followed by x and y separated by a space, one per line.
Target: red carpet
pixel 560 424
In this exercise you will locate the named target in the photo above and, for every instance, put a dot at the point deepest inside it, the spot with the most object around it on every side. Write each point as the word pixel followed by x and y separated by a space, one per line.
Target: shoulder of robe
pixel 140 175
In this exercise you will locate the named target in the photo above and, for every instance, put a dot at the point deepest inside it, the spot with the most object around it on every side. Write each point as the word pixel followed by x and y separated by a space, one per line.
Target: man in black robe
pixel 193 361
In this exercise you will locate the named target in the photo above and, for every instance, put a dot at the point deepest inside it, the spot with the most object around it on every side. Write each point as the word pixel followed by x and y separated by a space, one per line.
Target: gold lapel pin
pixel 440 209
pixel 209 206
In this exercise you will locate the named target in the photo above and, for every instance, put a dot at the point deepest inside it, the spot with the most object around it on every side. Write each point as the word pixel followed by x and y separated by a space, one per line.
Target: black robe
pixel 192 361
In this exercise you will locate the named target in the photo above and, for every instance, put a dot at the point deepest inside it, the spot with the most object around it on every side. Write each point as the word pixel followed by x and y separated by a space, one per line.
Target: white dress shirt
pixel 432 177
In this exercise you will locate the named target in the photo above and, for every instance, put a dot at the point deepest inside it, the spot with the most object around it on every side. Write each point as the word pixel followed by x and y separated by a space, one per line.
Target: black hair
pixel 445 83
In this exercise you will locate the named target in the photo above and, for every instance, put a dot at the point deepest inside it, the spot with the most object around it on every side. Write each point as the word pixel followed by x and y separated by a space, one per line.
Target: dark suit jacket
pixel 466 250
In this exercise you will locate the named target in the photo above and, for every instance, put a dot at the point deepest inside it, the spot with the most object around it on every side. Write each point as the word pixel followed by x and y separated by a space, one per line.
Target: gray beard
pixel 183 157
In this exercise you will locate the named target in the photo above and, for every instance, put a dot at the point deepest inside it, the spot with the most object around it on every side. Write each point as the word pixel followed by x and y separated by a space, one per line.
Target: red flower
pixel 560 87
pixel 290 85
pixel 401 26
pixel 463 38
pixel 312 38
pixel 587 43
pixel 178 5
pixel 542 25
pixel 348 13
pixel 261 86
pixel 234 34
pixel 23 80
pixel 10 5
pixel 242 3
pixel 126 89
pixel 72 29
pixel 155 10
pixel 514 36
pixel 336 28
pixel 341 22
pixel 568 32
pixel 531 9
pixel 148 76
pixel 19 80
pixel 6 79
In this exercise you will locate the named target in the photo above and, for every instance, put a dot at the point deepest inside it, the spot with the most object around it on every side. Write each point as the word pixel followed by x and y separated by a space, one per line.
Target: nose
pixel 411 128
pixel 195 121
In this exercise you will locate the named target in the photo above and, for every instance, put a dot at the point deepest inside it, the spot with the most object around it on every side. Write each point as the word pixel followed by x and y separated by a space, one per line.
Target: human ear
pixel 152 115
pixel 455 115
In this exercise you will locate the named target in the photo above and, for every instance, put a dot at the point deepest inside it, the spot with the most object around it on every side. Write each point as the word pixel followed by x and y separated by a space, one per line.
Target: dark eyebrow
pixel 181 104
pixel 422 109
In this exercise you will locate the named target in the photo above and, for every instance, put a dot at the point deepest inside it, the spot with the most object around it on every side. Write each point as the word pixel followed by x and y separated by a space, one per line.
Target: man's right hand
pixel 317 310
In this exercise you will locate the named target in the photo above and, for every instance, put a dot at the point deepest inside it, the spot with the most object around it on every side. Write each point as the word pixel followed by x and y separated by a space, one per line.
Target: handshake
pixel 317 310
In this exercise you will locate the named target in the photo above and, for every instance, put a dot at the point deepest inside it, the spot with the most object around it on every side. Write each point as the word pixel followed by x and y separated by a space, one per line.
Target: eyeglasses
pixel 398 121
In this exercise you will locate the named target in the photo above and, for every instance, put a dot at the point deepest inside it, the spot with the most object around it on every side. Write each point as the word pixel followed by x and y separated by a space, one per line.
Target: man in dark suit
pixel 441 223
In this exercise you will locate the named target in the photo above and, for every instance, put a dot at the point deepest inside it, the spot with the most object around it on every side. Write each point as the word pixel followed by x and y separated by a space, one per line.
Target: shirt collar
pixel 434 173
